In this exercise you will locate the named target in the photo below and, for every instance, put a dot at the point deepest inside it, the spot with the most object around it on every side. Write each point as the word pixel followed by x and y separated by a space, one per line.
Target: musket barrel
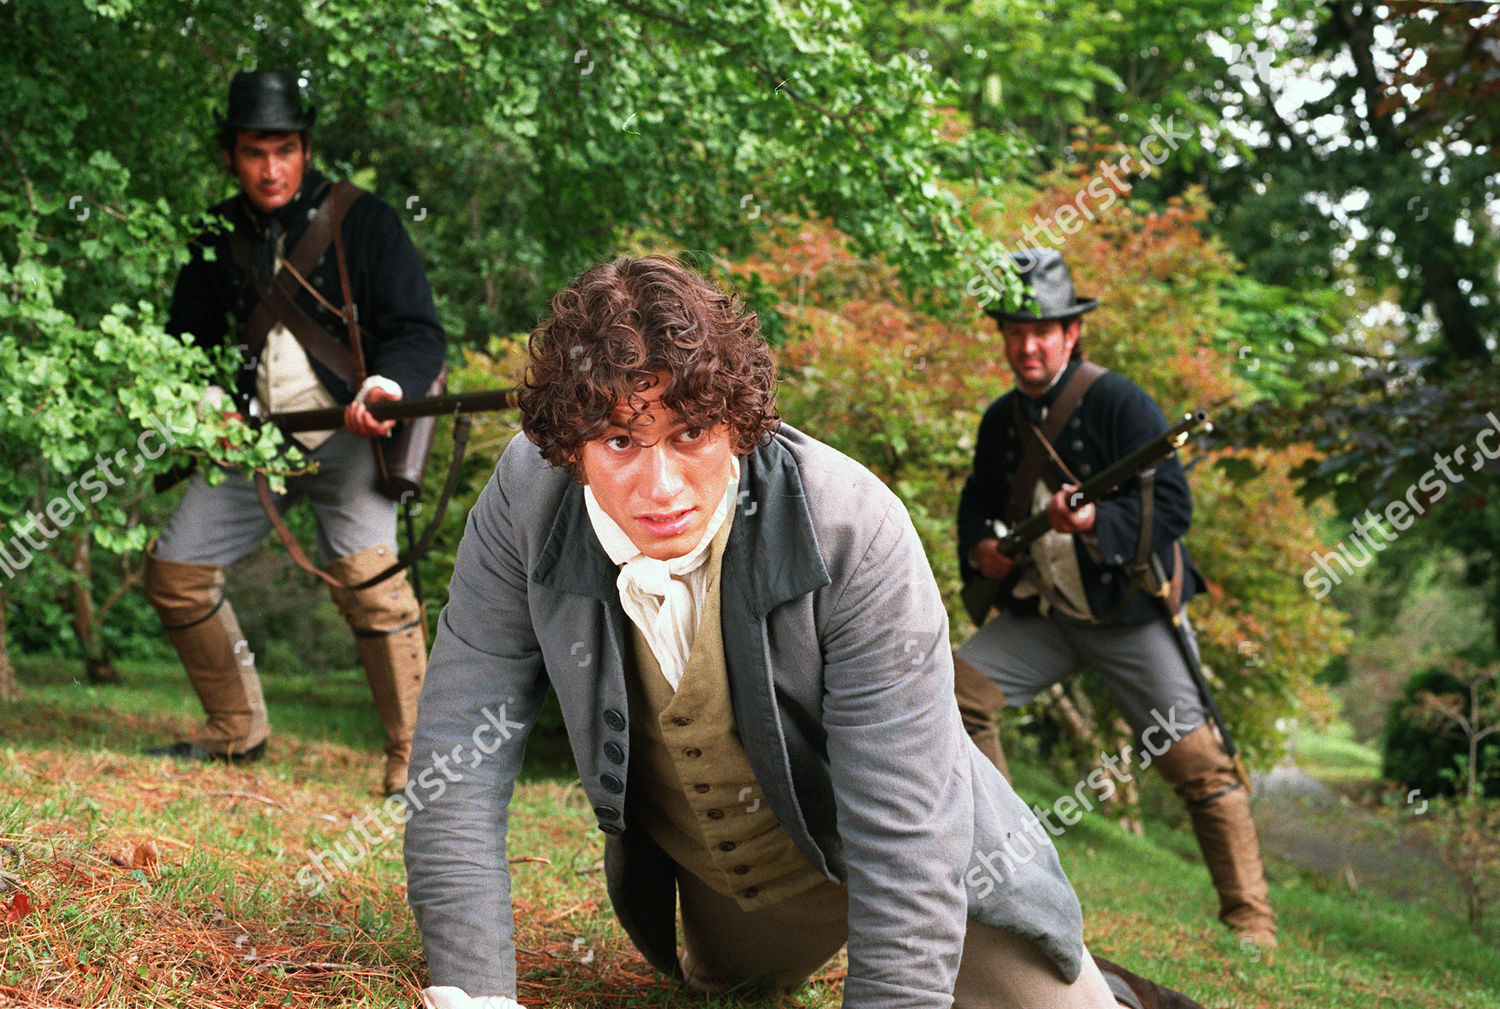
pixel 332 417
pixel 1127 468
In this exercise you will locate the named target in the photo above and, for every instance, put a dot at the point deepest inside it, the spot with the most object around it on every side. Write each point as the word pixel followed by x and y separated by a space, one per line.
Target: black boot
pixel 1146 994
pixel 192 751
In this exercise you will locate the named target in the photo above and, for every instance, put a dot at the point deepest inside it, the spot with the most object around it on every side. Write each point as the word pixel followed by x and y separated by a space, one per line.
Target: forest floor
pixel 132 881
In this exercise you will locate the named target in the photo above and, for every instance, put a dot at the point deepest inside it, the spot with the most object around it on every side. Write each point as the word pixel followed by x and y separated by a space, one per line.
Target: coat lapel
pixel 771 559
pixel 573 560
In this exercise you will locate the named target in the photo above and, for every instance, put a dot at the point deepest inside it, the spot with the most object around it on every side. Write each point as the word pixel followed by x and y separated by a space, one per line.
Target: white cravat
pixel 663 598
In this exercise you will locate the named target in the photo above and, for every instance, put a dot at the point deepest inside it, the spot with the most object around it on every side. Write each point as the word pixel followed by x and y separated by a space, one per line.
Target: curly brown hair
pixel 619 325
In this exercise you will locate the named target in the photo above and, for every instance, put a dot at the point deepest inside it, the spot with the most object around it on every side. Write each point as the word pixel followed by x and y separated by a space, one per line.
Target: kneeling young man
pixel 752 660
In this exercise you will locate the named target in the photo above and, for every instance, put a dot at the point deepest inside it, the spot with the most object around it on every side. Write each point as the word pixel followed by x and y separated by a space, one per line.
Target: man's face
pixel 269 167
pixel 659 479
pixel 1037 351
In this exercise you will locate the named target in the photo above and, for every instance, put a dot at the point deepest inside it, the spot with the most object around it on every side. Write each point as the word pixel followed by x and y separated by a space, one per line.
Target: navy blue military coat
pixel 1114 418
pixel 213 297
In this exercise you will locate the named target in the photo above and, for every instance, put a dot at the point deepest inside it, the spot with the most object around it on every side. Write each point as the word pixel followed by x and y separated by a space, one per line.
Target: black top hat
pixel 265 100
pixel 1046 278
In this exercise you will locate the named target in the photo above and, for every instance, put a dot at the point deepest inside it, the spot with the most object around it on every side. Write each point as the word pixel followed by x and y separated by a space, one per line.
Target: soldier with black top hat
pixel 1100 588
pixel 321 290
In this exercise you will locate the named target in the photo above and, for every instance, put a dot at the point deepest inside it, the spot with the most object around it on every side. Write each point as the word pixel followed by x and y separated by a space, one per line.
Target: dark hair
pixel 619 325
pixel 1077 353
pixel 228 135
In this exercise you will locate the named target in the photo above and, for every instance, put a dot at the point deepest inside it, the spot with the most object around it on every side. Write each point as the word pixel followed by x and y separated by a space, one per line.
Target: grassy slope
pixel 219 918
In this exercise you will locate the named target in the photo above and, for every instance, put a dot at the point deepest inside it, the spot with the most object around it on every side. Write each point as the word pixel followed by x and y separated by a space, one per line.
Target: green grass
pixel 1333 756
pixel 220 918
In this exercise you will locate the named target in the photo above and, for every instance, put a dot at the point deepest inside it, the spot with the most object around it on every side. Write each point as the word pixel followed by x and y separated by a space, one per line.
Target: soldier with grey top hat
pixel 1101 588
pixel 318 286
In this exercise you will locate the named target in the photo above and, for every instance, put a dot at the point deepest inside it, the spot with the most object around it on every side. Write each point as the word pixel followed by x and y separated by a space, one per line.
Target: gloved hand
pixel 449 997
pixel 357 417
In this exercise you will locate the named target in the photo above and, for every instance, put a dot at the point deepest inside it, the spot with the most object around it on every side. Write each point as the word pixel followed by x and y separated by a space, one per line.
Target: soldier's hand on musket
pixel 990 562
pixel 359 420
pixel 1065 519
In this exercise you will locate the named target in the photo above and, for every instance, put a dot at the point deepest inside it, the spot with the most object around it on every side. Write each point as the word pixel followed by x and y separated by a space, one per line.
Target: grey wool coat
pixel 836 643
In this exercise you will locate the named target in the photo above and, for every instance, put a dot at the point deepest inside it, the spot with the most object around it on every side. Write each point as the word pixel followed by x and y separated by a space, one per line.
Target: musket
pixel 981 594
pixel 332 417
pixel 455 404
pixel 1035 525
pixel 328 418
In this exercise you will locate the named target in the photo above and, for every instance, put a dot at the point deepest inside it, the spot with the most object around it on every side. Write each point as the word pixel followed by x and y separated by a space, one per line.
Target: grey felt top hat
pixel 1046 278
pixel 265 100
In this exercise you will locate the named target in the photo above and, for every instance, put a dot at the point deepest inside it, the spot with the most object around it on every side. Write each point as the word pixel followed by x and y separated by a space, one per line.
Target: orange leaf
pixel 146 856
pixel 19 908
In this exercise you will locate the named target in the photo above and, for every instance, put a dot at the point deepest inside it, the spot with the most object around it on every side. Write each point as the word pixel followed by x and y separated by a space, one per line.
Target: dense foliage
pixel 853 169
pixel 1430 754
pixel 525 141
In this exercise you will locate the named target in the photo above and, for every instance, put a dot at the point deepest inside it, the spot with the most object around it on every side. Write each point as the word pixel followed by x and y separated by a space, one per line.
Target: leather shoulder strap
pixel 320 232
pixel 344 194
pixel 278 302
pixel 1033 455
pixel 1069 396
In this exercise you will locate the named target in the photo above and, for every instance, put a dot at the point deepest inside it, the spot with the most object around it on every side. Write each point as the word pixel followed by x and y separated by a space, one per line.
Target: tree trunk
pixel 8 689
pixel 1079 726
pixel 1126 798
pixel 1076 714
pixel 96 663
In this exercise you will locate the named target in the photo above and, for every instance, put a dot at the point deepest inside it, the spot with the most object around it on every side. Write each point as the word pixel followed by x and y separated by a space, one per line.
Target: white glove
pixel 449 997
pixel 377 382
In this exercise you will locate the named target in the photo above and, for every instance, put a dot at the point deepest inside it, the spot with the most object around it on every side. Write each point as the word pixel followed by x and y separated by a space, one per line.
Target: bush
pixel 1420 753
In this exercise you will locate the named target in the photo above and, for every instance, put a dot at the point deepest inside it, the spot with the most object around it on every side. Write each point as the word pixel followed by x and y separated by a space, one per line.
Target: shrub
pixel 1421 752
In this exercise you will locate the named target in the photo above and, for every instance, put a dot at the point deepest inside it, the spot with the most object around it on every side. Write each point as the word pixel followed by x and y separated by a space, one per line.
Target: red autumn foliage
pixel 902 391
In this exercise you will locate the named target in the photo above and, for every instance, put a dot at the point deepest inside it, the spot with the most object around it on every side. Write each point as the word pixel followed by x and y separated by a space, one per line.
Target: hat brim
pixel 1077 308
pixel 272 124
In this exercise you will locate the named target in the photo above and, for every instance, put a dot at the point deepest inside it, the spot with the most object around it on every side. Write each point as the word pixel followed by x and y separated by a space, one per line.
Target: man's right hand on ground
pixel 988 559
pixel 449 997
